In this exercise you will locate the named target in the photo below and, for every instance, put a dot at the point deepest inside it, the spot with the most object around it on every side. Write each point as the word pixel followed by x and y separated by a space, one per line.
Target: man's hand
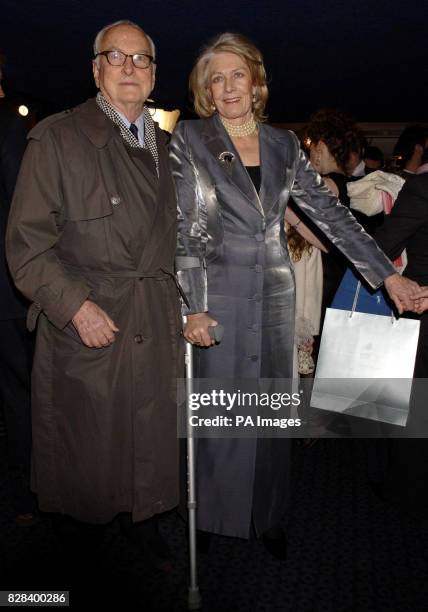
pixel 402 290
pixel 196 329
pixel 421 300
pixel 94 326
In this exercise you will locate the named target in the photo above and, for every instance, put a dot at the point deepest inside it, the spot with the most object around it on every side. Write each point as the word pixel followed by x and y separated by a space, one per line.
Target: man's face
pixel 124 86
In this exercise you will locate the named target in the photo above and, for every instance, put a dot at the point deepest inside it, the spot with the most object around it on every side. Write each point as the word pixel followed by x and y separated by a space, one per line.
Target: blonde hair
pixel 297 245
pixel 228 42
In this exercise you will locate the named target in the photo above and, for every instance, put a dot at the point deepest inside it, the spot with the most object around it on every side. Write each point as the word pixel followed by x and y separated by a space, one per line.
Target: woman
pixel 332 136
pixel 308 275
pixel 234 175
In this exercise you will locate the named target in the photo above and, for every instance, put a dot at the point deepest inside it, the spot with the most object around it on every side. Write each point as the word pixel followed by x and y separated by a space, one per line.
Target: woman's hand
pixel 196 329
pixel 402 292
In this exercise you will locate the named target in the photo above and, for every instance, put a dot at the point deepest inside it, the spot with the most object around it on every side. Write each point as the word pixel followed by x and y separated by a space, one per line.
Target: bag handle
pixel 356 296
pixel 354 304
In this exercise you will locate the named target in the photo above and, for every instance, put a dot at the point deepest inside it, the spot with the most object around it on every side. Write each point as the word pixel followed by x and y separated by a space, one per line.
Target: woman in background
pixel 332 136
pixel 308 274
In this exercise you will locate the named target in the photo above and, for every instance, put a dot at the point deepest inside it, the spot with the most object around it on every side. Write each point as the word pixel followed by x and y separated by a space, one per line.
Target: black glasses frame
pixel 125 57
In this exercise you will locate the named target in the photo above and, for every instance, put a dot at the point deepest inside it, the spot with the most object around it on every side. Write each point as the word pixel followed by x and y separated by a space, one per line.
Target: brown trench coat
pixel 90 219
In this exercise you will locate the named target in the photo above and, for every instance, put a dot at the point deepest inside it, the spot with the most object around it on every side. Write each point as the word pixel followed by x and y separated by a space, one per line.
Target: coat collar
pixel 95 124
pixel 272 160
pixel 99 129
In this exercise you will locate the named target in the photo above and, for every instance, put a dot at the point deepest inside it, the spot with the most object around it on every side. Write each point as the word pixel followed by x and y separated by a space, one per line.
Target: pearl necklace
pixel 245 129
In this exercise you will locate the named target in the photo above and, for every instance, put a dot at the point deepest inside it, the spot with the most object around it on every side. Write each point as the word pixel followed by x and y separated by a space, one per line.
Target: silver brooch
pixel 226 159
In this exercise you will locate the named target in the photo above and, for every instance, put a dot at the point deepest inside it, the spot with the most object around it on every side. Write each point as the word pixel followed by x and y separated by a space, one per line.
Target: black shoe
pixel 146 536
pixel 275 542
pixel 203 541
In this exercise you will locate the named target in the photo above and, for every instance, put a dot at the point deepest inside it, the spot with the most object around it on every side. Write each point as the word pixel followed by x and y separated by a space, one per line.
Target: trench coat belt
pixel 163 274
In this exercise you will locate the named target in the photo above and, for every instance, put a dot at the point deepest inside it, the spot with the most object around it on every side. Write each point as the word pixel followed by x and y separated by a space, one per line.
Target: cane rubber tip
pixel 194 599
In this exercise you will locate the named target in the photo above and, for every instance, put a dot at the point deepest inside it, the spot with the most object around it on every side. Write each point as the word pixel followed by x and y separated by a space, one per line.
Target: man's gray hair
pixel 123 22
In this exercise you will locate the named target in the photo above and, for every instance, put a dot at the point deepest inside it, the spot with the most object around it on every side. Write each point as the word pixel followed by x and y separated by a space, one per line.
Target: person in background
pixel 355 166
pixel 234 175
pixel 406 481
pixel 373 159
pixel 424 165
pixel 407 228
pixel 410 149
pixel 15 341
pixel 308 274
pixel 333 136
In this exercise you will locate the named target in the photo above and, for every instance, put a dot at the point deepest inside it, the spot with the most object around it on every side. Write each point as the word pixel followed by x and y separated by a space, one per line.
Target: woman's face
pixel 231 87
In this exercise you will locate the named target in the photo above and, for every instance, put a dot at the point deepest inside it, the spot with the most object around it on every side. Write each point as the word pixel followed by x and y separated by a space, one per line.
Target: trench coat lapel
pixel 95 124
pixel 217 141
pixel 145 164
pixel 165 213
pixel 273 160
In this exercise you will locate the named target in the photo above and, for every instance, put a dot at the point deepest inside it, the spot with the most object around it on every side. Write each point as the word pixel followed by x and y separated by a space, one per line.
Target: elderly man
pixel 91 241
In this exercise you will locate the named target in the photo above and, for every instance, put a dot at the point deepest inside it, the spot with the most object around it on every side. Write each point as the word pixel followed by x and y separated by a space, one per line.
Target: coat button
pixel 138 339
pixel 115 200
pixel 258 268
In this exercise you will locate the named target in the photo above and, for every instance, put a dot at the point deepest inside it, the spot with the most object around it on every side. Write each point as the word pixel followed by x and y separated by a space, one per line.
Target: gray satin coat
pixel 233 262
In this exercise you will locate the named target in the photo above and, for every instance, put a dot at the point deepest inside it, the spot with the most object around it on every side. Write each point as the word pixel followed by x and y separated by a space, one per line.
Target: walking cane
pixel 194 600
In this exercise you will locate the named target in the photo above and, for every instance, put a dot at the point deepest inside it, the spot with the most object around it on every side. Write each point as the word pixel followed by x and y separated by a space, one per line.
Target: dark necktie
pixel 133 128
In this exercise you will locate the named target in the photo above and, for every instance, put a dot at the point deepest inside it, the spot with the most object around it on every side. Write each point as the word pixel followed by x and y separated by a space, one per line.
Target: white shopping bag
pixel 365 365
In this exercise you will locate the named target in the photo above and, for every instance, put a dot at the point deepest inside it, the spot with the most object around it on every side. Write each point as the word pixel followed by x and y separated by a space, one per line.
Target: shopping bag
pixel 373 302
pixel 365 365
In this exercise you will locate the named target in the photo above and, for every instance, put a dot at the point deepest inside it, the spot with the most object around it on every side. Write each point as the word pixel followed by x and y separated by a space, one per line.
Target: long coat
pixel 91 220
pixel 234 263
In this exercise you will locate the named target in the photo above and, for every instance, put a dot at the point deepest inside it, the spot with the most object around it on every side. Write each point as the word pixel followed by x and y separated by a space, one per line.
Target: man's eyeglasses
pixel 117 58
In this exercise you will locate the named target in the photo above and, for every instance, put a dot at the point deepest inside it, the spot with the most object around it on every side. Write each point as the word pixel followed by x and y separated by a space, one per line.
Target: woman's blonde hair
pixel 228 42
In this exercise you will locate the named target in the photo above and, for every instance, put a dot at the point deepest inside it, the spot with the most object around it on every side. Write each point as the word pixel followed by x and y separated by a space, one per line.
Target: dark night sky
pixel 367 57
